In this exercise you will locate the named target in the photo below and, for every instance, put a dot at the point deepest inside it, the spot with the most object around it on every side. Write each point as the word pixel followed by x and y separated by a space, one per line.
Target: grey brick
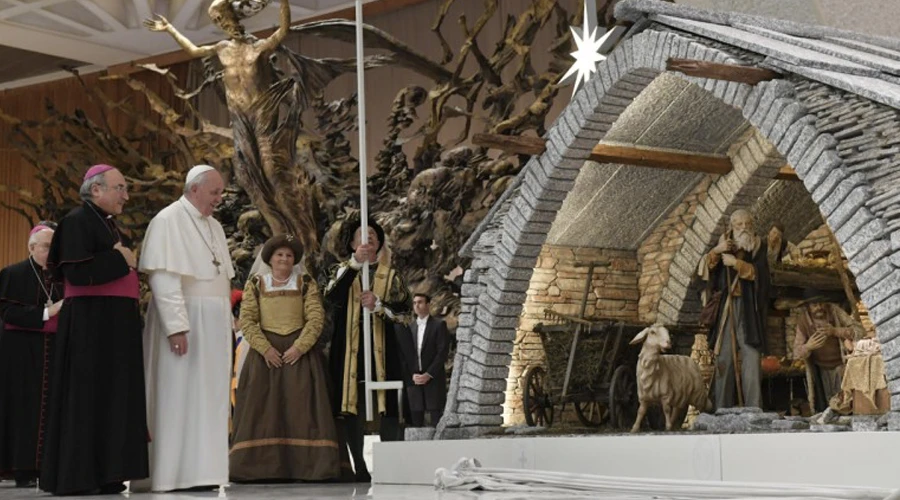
pixel 791 113
pixel 484 378
pixel 491 359
pixel 836 176
pixel 492 346
pixel 827 162
pixel 481 398
pixel 889 286
pixel 753 99
pixel 798 151
pixel 493 333
pixel 849 205
pixel 890 349
pixel 464 332
pixel 872 231
pixel 853 224
pixel 793 133
pixel 741 95
pixel 474 409
pixel 867 256
pixel 480 420
pixel 813 155
pixel 773 115
pixel 886 310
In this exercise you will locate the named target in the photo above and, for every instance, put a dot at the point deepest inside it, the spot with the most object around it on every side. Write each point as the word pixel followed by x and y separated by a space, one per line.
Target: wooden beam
pixel 616 153
pixel 628 154
pixel 371 9
pixel 717 71
pixel 518 144
pixel 787 173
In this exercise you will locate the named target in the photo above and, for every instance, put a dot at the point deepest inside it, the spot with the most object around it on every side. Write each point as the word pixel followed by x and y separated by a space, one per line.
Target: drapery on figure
pixel 737 269
pixel 263 149
pixel 822 329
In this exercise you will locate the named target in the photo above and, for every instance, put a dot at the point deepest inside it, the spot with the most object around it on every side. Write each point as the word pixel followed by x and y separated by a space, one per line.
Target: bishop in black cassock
pixel 97 422
pixel 29 302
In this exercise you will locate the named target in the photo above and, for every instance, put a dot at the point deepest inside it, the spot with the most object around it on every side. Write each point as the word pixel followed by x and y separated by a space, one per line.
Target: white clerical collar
pixel 191 209
pixel 422 321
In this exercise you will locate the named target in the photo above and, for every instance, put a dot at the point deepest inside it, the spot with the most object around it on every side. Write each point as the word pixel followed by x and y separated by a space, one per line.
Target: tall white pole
pixel 363 204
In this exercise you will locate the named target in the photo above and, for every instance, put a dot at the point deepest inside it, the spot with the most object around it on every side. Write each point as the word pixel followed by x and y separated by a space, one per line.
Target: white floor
pixel 868 459
pixel 406 470
pixel 280 491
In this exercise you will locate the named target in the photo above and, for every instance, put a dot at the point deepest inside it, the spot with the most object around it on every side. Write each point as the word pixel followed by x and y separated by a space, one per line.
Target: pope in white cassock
pixel 187 338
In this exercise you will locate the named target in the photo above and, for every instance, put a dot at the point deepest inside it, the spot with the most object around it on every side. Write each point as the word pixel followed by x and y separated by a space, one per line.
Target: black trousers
pixel 417 418
pixel 355 429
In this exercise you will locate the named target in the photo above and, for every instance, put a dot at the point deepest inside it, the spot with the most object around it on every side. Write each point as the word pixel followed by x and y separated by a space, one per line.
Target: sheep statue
pixel 674 382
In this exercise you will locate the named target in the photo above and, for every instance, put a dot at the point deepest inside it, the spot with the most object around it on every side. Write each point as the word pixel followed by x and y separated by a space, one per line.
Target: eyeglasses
pixel 121 188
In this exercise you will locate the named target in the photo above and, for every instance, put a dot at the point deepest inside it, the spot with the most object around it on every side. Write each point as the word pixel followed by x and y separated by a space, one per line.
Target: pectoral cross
pixel 216 263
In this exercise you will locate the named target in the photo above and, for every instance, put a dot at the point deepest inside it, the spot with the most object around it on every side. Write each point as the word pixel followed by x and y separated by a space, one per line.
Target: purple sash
pixel 49 326
pixel 127 286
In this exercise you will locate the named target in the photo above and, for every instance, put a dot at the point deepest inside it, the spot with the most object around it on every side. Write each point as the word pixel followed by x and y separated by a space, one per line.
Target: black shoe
pixel 26 483
pixel 25 479
pixel 112 488
pixel 205 487
pixel 363 477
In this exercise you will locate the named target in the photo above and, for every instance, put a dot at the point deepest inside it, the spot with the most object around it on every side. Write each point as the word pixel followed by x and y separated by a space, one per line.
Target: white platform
pixel 833 459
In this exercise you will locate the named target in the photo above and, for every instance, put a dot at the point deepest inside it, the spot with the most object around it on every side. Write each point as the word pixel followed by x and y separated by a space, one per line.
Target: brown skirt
pixel 283 424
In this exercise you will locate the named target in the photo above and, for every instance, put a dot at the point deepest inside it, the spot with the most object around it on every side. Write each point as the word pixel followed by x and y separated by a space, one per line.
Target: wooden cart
pixel 589 364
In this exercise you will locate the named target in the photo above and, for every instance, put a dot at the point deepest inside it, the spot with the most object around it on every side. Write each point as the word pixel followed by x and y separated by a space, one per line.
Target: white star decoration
pixel 587 56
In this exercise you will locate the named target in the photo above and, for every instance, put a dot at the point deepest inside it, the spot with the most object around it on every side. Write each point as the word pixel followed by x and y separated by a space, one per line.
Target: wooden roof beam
pixel 627 154
pixel 718 71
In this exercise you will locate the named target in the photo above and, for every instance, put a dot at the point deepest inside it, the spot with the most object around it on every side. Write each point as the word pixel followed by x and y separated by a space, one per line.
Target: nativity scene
pixel 636 222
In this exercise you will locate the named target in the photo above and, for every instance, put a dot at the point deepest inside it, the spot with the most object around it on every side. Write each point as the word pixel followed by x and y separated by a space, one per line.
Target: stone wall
pixel 558 283
pixel 657 251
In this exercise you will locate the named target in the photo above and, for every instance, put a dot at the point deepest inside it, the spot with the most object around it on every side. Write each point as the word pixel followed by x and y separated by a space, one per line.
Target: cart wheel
pixel 623 400
pixel 591 413
pixel 535 400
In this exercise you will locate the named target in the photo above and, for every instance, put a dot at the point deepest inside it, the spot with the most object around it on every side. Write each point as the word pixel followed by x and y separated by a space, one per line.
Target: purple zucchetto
pixel 97 170
pixel 39 228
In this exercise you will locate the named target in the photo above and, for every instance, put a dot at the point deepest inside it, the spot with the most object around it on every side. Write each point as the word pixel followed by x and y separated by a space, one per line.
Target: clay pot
pixel 770 364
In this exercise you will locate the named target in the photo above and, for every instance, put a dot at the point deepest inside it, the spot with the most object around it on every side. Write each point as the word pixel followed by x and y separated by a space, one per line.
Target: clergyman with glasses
pixel 96 433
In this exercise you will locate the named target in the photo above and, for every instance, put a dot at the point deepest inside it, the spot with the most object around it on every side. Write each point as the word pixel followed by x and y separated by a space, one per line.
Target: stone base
pixel 739 420
pixel 419 434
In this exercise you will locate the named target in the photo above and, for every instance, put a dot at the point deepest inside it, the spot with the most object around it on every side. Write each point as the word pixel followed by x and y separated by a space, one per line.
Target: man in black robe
pixel 738 267
pixel 29 302
pixel 389 300
pixel 97 432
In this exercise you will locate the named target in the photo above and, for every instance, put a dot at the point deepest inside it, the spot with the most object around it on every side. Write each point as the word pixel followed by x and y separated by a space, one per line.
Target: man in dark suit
pixel 424 344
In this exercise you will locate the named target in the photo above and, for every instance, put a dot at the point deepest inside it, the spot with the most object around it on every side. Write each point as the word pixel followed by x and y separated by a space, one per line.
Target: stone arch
pixel 510 238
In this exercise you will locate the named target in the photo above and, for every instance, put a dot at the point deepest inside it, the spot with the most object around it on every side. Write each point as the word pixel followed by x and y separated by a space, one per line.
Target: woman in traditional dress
pixel 29 303
pixel 283 427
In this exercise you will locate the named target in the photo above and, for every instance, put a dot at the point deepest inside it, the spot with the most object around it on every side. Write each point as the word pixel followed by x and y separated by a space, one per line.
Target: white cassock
pixel 188 397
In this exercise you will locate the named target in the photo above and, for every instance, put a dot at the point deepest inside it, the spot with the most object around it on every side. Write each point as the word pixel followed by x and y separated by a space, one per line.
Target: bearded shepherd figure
pixel 737 272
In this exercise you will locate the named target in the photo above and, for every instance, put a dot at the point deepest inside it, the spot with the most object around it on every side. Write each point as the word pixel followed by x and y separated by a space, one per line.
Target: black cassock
pixel 97 422
pixel 26 346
